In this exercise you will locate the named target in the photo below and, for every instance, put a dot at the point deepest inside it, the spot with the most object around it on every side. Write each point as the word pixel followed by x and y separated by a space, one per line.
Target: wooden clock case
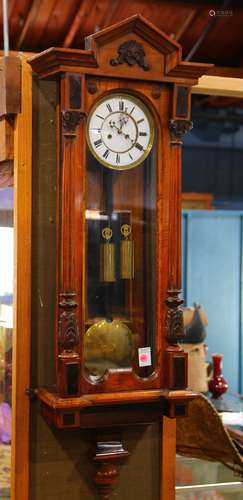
pixel 134 57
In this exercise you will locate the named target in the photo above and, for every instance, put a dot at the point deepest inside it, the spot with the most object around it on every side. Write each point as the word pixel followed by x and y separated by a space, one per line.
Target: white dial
pixel 120 131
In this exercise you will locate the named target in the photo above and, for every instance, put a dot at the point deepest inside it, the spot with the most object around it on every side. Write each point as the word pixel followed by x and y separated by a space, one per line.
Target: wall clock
pixel 123 109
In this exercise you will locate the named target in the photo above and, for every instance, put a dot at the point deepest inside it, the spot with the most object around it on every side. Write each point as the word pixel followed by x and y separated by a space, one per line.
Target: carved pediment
pixel 131 49
pixel 135 45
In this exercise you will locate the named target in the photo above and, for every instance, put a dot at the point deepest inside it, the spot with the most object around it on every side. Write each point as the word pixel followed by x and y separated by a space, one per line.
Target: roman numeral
pixel 138 146
pixel 98 143
pixel 121 105
pixel 106 154
pixel 132 110
pixel 130 156
pixel 117 158
pixel 109 108
pixel 140 121
pixel 101 117
pixel 142 134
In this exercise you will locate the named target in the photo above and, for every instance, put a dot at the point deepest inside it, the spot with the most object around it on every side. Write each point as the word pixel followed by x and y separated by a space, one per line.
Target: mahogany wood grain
pixel 22 289
pixel 91 400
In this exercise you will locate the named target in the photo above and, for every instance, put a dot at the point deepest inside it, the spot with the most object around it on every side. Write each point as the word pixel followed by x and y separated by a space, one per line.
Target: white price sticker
pixel 144 356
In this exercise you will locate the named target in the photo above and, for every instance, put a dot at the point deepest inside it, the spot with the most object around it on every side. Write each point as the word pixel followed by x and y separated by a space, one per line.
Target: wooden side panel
pixel 22 293
pixel 43 231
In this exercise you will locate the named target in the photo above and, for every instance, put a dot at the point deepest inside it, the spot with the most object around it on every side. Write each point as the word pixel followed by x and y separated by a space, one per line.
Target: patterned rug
pixel 5 463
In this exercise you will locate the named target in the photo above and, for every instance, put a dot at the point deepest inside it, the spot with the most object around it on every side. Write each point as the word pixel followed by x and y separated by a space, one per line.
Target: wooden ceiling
pixel 35 25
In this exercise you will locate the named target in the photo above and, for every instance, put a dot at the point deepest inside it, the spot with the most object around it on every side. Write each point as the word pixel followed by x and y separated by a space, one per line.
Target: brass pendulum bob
pixel 107 257
pixel 126 253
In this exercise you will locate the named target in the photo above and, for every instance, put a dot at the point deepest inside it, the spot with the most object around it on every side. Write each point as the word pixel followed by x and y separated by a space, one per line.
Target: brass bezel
pixel 149 116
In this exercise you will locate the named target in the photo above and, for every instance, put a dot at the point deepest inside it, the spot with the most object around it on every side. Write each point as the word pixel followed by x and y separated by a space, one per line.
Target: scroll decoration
pixel 68 325
pixel 174 327
pixel 131 53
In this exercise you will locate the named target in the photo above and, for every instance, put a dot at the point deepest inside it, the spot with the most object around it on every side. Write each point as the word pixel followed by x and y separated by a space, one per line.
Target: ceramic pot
pixel 217 384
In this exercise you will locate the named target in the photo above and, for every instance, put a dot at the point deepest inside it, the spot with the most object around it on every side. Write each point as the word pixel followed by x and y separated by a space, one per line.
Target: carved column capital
pixel 178 128
pixel 70 121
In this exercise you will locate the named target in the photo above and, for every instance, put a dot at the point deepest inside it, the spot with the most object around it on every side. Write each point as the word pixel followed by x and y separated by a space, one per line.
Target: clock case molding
pixel 132 56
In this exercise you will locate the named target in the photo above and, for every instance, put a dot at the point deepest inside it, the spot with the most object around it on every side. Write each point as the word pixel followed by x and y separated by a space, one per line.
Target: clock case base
pixel 108 410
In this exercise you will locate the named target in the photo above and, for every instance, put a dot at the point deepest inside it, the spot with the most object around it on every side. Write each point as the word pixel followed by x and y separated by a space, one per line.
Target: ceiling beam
pixel 110 14
pixel 227 71
pixel 185 24
pixel 31 23
pixel 82 13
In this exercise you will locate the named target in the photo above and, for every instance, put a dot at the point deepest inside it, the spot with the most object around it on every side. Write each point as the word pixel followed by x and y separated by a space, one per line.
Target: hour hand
pixel 113 125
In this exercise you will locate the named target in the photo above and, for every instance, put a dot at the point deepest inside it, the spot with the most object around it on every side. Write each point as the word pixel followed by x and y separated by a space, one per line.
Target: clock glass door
pixel 120 248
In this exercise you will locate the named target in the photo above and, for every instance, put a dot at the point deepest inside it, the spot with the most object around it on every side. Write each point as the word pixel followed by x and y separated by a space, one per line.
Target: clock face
pixel 120 131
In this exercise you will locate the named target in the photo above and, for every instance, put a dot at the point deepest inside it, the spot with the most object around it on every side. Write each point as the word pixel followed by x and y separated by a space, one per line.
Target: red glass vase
pixel 217 384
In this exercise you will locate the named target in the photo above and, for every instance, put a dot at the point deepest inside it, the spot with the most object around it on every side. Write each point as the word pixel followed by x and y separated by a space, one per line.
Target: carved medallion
pixel 131 53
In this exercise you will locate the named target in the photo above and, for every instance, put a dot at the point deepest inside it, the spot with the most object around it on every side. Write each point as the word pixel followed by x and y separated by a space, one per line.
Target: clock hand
pixel 113 125
pixel 126 136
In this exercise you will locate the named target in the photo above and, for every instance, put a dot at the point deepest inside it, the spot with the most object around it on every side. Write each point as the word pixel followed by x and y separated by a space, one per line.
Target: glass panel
pixel 6 329
pixel 120 267
pixel 202 480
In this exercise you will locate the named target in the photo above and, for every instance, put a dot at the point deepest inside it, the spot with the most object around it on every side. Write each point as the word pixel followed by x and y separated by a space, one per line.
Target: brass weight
pixel 107 257
pixel 126 253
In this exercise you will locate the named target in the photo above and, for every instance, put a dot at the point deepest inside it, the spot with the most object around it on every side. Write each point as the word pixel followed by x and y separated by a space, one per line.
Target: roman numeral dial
pixel 120 131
